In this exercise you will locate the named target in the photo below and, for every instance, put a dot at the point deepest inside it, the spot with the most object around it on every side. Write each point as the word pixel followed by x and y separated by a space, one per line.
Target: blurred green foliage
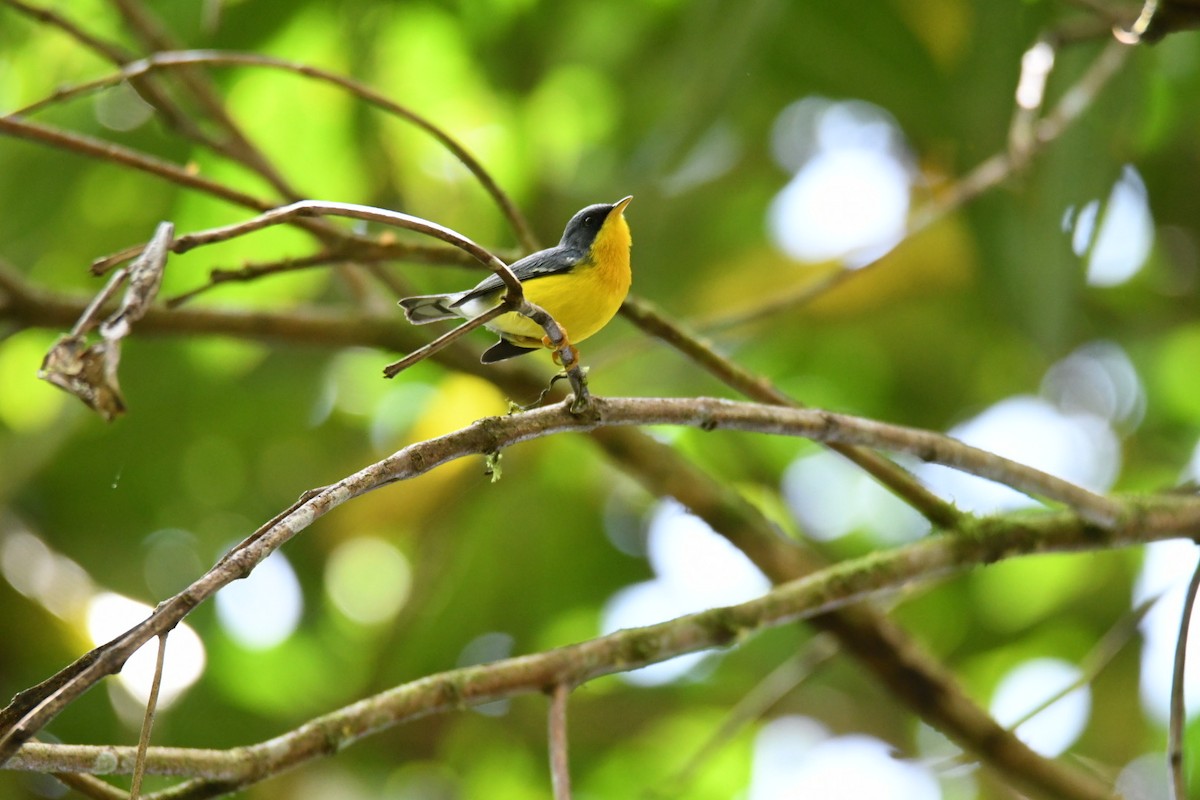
pixel 566 104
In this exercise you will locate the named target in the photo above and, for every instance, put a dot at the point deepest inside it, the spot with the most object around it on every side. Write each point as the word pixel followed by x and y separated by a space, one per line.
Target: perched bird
pixel 581 282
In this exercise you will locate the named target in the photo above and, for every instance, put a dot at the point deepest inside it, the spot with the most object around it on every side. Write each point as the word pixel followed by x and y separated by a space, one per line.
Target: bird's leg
pixel 556 352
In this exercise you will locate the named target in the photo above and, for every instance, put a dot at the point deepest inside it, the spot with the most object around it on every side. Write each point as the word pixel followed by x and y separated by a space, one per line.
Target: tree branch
pixel 911 674
pixel 832 588
pixel 514 297
pixel 31 710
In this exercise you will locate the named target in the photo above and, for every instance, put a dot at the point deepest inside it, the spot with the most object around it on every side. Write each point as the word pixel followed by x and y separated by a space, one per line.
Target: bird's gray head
pixel 582 229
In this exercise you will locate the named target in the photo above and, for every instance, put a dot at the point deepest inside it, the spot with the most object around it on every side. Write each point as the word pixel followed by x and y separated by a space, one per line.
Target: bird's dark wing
pixel 544 262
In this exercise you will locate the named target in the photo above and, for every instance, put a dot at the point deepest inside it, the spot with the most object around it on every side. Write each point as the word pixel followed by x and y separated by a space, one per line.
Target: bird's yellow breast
pixel 583 299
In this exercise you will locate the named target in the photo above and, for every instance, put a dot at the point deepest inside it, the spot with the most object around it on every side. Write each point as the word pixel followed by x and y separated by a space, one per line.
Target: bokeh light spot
pixel 695 569
pixel 59 584
pixel 848 199
pixel 1080 448
pixel 1097 379
pixel 368 580
pixel 263 609
pixel 1166 569
pixel 831 498
pixel 796 757
pixel 1116 246
pixel 110 615
pixel 1056 727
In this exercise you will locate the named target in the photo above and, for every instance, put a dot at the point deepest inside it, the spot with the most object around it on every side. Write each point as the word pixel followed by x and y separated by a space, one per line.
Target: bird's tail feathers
pixel 428 308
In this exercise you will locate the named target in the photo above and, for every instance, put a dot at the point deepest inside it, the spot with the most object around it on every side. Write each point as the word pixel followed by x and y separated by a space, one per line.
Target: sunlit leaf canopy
pixel 768 147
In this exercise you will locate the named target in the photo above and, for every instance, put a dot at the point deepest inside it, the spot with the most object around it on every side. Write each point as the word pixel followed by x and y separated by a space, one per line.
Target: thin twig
pixel 316 208
pixel 139 767
pixel 1100 655
pixel 444 341
pixel 91 786
pixel 184 58
pixel 249 272
pixel 988 174
pixel 1175 737
pixel 174 116
pixel 14 125
pixel 758 701
pixel 560 765
pixel 107 151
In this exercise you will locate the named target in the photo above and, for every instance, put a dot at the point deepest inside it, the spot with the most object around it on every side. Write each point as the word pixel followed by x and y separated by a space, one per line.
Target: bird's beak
pixel 619 206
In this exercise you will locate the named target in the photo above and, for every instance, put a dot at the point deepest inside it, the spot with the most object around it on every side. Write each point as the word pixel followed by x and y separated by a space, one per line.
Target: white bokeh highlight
pixel 109 615
pixel 848 199
pixel 830 498
pixel 796 757
pixel 695 569
pixel 263 609
pixel 1166 569
pixel 1054 728
pixel 1116 243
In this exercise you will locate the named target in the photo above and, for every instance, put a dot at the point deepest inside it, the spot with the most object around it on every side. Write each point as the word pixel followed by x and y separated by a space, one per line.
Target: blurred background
pixel 795 169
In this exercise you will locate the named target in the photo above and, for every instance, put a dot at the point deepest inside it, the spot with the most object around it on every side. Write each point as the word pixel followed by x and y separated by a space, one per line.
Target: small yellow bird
pixel 581 282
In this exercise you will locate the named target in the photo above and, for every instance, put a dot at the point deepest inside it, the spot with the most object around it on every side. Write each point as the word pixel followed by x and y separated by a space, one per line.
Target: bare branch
pixel 758 701
pixel 514 297
pixel 107 151
pixel 443 341
pixel 148 89
pixel 236 145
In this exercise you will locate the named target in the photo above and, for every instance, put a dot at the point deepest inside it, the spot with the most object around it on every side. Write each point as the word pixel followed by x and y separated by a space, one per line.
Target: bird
pixel 581 282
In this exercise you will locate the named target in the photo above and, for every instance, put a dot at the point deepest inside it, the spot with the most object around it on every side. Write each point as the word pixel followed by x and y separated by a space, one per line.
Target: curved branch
pixel 514 296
